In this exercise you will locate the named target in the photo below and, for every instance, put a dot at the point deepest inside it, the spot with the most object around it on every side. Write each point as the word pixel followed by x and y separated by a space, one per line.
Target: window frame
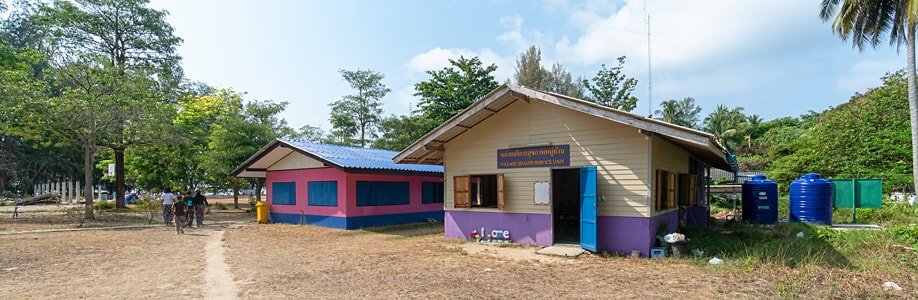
pixel 309 190
pixel 438 194
pixel 463 196
pixel 375 202
pixel 274 192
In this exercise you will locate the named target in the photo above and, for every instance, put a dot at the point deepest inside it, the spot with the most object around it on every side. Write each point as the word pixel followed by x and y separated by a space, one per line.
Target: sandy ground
pixel 286 261
pixel 251 261
pixel 63 216
pixel 130 264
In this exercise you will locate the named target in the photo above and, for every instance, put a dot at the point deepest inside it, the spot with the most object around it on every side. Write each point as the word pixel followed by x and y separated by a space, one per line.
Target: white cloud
pixel 866 74
pixel 438 58
pixel 684 33
pixel 514 35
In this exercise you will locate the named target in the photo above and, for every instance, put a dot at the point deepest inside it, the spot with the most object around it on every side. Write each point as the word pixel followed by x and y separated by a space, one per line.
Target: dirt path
pixel 218 282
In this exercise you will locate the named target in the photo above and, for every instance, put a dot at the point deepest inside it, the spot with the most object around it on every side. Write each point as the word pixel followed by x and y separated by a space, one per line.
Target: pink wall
pixel 414 184
pixel 347 193
pixel 301 177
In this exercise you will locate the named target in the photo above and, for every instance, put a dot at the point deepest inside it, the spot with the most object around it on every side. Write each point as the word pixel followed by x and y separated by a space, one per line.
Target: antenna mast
pixel 649 69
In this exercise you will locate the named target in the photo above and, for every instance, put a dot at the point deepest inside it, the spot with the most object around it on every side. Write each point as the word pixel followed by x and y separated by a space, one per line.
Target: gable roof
pixel 341 157
pixel 429 148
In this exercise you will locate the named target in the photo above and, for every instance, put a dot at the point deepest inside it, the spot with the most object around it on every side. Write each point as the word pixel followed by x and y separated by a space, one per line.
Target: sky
pixel 773 58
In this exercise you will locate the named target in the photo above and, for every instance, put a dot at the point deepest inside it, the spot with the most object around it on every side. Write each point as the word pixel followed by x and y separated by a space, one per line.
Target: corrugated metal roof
pixel 359 158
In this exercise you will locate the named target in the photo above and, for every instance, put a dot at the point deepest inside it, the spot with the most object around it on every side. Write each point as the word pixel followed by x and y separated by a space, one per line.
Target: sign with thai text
pixel 534 157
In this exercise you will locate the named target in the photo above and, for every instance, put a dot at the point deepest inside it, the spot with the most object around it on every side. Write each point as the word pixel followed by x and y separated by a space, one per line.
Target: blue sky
pixel 773 58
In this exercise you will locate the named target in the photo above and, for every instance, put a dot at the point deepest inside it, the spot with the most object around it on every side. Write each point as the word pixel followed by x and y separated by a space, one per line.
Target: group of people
pixel 183 209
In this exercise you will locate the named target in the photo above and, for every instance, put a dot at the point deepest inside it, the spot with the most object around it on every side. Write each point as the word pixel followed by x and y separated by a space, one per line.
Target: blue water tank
pixel 811 200
pixel 760 200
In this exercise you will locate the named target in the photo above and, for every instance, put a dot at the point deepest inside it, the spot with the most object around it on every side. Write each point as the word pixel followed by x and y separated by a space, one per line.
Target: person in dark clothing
pixel 179 210
pixel 200 205
pixel 189 202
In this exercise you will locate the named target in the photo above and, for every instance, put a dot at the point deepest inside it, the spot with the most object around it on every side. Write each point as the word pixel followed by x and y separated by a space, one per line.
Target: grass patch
pixel 104 205
pixel 750 247
pixel 890 215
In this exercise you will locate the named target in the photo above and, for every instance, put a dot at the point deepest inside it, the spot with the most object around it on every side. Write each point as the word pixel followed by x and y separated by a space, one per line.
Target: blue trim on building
pixel 393 219
pixel 357 222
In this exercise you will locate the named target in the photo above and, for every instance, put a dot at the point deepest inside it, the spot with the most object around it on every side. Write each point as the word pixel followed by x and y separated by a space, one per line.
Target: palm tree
pixel 668 112
pixel 682 113
pixel 725 124
pixel 866 22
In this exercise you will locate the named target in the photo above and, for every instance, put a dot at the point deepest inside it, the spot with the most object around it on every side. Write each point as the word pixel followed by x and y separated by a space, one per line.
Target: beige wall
pixel 667 156
pixel 620 153
pixel 294 161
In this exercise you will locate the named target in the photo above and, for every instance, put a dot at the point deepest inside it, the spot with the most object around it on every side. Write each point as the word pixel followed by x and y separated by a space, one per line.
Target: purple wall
pixel 524 228
pixel 616 234
pixel 624 234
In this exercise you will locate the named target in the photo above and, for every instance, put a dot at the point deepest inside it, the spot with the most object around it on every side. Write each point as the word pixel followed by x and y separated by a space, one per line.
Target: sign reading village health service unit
pixel 534 157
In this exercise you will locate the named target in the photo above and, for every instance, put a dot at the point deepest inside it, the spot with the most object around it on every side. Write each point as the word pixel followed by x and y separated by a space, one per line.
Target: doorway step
pixel 562 250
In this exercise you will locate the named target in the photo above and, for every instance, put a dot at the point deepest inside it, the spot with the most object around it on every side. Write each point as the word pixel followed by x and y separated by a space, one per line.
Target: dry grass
pixel 63 218
pixel 414 261
pixel 135 264
pixel 327 263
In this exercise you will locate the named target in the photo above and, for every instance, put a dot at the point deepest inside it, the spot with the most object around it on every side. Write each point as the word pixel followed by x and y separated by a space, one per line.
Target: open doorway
pixel 565 195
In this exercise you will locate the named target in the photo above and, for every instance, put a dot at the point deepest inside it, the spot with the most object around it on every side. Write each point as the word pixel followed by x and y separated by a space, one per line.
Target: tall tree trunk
pixel 119 177
pixel 88 152
pixel 235 184
pixel 913 102
pixel 259 184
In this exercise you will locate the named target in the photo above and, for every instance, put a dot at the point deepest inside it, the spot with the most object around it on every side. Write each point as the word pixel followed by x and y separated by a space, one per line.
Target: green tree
pixel 235 137
pixel 867 136
pixel 84 112
pixel 726 125
pixel 612 88
pixel 530 73
pixel 529 70
pixel 872 23
pixel 561 82
pixel 679 112
pixel 132 36
pixel 399 132
pixel 309 133
pixel 452 89
pixel 355 117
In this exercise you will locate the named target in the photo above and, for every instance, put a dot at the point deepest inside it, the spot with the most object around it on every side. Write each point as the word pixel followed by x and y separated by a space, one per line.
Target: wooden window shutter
pixel 671 190
pixel 693 189
pixel 500 191
pixel 685 190
pixel 461 192
pixel 658 181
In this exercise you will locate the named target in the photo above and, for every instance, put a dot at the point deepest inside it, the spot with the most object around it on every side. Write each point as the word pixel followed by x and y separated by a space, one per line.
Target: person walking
pixel 189 211
pixel 200 205
pixel 168 199
pixel 179 210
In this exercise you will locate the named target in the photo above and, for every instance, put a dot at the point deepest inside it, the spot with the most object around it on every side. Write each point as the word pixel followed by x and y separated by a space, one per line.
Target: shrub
pixel 220 206
pixel 104 205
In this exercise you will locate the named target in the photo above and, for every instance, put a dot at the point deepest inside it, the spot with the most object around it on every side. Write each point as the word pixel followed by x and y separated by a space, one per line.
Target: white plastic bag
pixel 674 238
pixel 716 261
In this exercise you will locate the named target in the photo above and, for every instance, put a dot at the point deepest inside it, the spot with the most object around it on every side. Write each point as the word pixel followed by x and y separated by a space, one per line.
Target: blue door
pixel 588 208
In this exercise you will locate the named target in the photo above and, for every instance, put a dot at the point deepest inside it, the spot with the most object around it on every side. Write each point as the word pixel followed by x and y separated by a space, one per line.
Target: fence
pixel 70 191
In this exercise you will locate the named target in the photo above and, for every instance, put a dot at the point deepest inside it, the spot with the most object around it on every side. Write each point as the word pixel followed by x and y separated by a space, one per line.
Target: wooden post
pixel 77 190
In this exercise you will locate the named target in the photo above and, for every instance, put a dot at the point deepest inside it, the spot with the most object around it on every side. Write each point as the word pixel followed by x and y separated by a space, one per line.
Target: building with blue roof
pixel 343 187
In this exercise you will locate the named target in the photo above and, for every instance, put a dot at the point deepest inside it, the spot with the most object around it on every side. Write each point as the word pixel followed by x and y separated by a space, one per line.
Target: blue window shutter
pixel 323 193
pixel 379 193
pixel 431 192
pixel 283 193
